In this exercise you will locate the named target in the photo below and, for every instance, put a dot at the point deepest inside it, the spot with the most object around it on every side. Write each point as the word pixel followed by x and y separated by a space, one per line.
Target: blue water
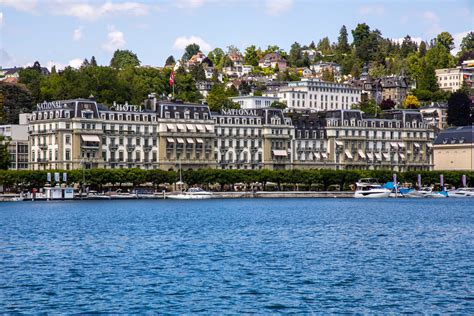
pixel 238 256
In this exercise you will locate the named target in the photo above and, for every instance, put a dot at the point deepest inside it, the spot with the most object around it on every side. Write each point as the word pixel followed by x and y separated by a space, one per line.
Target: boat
pixel 191 194
pixel 94 195
pixel 370 188
pixel 122 195
pixel 426 192
pixel 462 192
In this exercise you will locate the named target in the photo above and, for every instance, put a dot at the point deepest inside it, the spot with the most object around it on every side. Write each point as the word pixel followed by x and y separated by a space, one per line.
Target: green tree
pixel 31 77
pixel 278 105
pixel 190 51
pixel 124 58
pixel 217 56
pixel 295 57
pixel 440 57
pixel 4 154
pixel 15 99
pixel 328 75
pixel 342 41
pixel 446 40
pixel 324 45
pixel 170 61
pixel 251 56
pixel 467 42
pixel 197 71
pixel 218 98
pixel 408 46
pixel 427 79
pixel 459 109
pixel 422 49
pixel 368 107
pixel 93 62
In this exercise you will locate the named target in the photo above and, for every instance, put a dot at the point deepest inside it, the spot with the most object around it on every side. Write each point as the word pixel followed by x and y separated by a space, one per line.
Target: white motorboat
pixel 462 192
pixel 370 188
pixel 426 192
pixel 191 194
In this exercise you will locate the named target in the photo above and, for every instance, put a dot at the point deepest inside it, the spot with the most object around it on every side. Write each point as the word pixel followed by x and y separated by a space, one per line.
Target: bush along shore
pixel 222 180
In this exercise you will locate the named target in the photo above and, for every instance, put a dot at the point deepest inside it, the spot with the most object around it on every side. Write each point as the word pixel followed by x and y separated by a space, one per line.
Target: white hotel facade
pixel 317 95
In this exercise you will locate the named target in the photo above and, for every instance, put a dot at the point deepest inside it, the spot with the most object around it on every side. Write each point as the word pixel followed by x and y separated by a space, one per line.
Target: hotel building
pixel 253 139
pixel 75 134
pixel 17 137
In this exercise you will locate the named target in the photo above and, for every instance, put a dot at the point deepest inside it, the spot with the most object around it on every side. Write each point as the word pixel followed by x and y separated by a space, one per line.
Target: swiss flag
pixel 172 78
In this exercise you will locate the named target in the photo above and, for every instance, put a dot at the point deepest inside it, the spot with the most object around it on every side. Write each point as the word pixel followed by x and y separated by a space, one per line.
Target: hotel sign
pixel 49 105
pixel 239 112
pixel 126 108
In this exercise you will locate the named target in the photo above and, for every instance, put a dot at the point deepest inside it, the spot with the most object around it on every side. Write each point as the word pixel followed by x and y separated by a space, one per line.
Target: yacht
pixel 370 188
pixel 191 194
pixel 426 192
pixel 462 192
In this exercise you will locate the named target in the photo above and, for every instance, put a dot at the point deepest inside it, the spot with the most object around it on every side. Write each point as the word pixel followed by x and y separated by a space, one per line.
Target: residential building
pixel 254 102
pixel 273 60
pixel 454 149
pixel 317 95
pixel 402 142
pixel 321 66
pixel 435 114
pixel 17 137
pixel 452 79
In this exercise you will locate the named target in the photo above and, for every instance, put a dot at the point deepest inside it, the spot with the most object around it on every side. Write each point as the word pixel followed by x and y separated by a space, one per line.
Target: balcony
pixel 147 148
pixel 113 147
pixel 130 147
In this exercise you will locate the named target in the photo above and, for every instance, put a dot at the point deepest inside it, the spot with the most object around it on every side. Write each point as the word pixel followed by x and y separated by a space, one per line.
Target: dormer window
pixel 176 115
pixel 196 116
pixel 167 115
pixel 186 115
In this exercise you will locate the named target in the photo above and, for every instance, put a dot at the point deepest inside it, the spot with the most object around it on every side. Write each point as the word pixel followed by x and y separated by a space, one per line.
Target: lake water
pixel 238 256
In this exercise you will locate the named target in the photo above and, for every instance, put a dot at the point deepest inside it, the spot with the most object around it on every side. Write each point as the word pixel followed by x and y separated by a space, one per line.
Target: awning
pixel 90 138
pixel 371 156
pixel 180 140
pixel 402 145
pixel 386 156
pixel 189 140
pixel 170 127
pixel 200 127
pixel 280 153
pixel 395 145
pixel 317 156
pixel 170 140
pixel 378 156
pixel 429 145
pixel 210 128
pixel 181 126
pixel 199 140
pixel 402 155
pixel 416 145
pixel 361 154
pixel 339 143
pixel 325 156
pixel 190 127
pixel 348 154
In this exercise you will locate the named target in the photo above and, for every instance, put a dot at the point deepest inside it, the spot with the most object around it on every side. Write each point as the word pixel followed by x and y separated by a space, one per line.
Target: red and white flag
pixel 172 78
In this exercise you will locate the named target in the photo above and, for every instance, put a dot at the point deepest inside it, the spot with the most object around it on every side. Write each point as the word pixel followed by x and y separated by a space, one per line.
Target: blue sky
pixel 64 32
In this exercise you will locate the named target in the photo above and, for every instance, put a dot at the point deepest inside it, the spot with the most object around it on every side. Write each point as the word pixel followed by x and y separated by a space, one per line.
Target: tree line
pixel 307 179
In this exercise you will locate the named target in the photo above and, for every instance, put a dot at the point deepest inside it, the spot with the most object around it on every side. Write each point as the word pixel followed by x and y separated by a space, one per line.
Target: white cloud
pixel 75 63
pixel 430 16
pixel 417 40
pixel 1 19
pixel 86 11
pixel 58 65
pixel 277 7
pixel 432 21
pixel 21 5
pixel 181 42
pixel 77 34
pixel 115 40
pixel 189 4
pixel 371 10
pixel 457 41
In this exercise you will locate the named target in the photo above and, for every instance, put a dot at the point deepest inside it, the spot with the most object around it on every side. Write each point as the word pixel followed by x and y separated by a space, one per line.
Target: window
pixel 68 154
pixel 68 139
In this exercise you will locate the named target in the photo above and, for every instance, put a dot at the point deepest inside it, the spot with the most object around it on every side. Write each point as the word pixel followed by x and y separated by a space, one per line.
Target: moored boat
pixel 370 188
pixel 462 193
pixel 191 194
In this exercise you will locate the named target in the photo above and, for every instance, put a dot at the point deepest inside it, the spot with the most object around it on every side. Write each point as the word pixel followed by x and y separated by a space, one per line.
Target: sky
pixel 64 32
